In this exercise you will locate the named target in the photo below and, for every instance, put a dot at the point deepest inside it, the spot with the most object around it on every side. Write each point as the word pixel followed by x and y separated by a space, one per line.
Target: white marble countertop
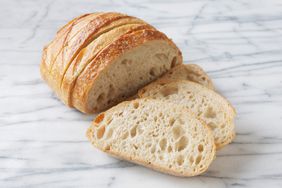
pixel 239 43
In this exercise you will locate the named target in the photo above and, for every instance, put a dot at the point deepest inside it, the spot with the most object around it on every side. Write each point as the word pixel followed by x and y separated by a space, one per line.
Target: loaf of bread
pixel 97 60
pixel 206 104
pixel 160 135
pixel 191 72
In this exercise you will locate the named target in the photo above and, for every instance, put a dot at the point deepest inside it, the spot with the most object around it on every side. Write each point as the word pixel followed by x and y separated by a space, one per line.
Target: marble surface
pixel 239 44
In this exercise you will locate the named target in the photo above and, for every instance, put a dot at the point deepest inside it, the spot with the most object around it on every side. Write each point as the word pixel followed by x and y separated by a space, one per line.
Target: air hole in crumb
pixel 212 125
pixel 161 157
pixel 173 62
pixel 153 71
pixel 169 149
pixel 120 114
pixel 171 121
pixel 100 132
pixel 200 148
pixel 133 131
pixel 177 132
pixel 162 144
pixel 169 90
pixel 161 56
pixel 180 160
pixel 101 97
pixel 126 62
pixel 135 147
pixel 155 118
pixel 182 143
pixel 198 159
pixel 135 105
pixel 99 118
pixel 210 113
pixel 111 90
pixel 124 136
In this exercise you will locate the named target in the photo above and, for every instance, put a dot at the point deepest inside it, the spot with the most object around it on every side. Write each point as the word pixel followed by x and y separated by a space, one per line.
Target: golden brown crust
pixel 76 26
pixel 52 50
pixel 116 49
pixel 54 47
pixel 72 72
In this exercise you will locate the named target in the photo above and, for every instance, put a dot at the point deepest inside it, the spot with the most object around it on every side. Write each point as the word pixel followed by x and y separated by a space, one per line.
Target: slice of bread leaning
pixel 157 134
pixel 191 72
pixel 208 105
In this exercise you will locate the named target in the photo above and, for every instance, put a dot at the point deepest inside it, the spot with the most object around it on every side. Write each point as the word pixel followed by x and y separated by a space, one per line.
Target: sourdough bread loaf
pixel 157 134
pixel 206 104
pixel 97 60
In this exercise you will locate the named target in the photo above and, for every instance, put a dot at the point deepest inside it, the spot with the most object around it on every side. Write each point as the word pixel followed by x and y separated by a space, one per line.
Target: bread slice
pixel 123 67
pixel 160 135
pixel 191 72
pixel 208 105
pixel 87 54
